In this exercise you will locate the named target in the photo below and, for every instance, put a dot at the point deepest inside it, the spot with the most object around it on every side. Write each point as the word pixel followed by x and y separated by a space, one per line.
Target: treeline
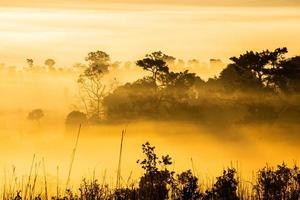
pixel 255 87
pixel 159 182
pixel 50 66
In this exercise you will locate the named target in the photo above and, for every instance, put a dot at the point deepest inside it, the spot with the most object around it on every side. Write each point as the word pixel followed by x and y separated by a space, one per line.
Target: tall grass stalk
pixel 37 167
pixel 57 181
pixel 45 180
pixel 29 178
pixel 72 158
pixel 118 185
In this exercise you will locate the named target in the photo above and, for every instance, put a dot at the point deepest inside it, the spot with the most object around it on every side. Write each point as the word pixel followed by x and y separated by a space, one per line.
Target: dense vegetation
pixel 256 87
pixel 159 182
pixel 259 87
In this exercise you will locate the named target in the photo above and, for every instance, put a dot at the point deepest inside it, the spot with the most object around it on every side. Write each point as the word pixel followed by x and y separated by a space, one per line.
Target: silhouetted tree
pixel 99 62
pixel 234 78
pixel 167 94
pixel 285 76
pixel 50 63
pixel 132 100
pixel 258 62
pixel 30 63
pixel 154 63
pixel 36 114
pixel 92 88
pixel 180 80
pixel 75 118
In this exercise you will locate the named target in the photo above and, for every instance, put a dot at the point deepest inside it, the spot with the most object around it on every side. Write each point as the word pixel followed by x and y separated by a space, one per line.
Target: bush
pixel 155 183
pixel 281 183
pixel 75 118
pixel 35 114
pixel 126 194
pixel 187 186
pixel 225 188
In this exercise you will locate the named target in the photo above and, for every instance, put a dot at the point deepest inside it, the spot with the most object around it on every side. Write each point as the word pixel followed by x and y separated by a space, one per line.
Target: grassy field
pixel 158 180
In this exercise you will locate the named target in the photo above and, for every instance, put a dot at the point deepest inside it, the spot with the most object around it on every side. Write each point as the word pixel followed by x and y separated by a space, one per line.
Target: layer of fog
pixel 211 147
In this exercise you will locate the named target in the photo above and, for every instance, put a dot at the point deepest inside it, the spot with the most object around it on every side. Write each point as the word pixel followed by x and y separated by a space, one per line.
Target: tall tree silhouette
pixel 155 63
pixel 92 88
pixel 286 75
pixel 259 62
pixel 98 61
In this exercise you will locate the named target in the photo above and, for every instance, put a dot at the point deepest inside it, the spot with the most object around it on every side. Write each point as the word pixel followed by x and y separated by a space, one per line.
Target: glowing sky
pixel 128 31
pixel 194 2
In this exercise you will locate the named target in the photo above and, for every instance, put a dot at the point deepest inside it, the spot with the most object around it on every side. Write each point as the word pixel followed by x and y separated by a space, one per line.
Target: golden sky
pixel 49 29
pixel 87 3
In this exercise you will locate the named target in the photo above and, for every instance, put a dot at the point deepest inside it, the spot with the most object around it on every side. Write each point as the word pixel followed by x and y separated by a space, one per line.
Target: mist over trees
pixel 255 87
pixel 92 88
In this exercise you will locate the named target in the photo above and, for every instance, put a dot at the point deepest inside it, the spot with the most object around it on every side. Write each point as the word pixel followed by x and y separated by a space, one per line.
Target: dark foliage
pixel 126 194
pixel 155 182
pixel 98 63
pixel 276 184
pixel 187 187
pixel 225 188
pixel 76 118
pixel 36 114
pixel 159 183
pixel 154 63
pixel 248 90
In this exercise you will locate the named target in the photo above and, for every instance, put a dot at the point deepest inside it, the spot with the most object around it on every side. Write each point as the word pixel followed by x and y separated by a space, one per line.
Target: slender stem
pixel 45 180
pixel 72 159
pixel 29 178
pixel 120 160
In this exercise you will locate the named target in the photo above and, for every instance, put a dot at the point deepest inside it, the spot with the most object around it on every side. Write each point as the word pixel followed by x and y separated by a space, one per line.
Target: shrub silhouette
pixel 35 115
pixel 159 183
pixel 75 118
pixel 126 194
pixel 281 183
pixel 91 190
pixel 155 183
pixel 88 190
pixel 50 64
pixel 187 186
pixel 225 187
